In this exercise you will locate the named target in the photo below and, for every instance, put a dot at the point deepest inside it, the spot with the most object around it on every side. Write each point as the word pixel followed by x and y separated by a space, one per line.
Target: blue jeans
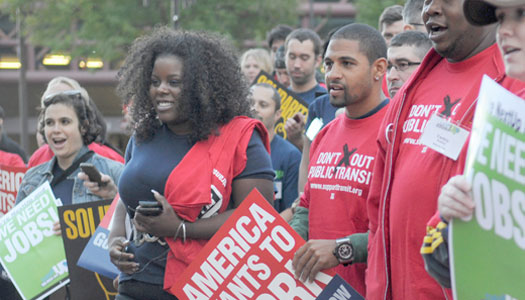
pixel 138 290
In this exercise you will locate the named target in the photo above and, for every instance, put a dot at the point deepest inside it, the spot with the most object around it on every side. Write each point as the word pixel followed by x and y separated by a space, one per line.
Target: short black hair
pixel 413 38
pixel 390 15
pixel 412 11
pixel 275 97
pixel 1 113
pixel 304 34
pixel 279 32
pixel 371 43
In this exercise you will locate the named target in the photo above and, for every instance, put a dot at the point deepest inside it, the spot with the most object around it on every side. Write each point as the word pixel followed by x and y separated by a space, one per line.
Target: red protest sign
pixel 10 179
pixel 250 257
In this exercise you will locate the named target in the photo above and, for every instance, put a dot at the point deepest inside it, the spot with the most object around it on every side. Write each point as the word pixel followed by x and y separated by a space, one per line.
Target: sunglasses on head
pixel 73 94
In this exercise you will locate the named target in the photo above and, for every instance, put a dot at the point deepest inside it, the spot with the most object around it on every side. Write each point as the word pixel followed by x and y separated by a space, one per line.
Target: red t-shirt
pixel 44 154
pixel 414 188
pixel 11 159
pixel 340 171
pixel 408 176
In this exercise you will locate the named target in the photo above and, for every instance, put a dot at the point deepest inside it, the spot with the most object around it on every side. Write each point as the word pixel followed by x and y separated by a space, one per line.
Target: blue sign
pixel 338 289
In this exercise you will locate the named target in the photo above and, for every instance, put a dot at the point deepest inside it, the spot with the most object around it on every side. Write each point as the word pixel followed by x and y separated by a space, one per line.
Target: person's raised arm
pixel 294 128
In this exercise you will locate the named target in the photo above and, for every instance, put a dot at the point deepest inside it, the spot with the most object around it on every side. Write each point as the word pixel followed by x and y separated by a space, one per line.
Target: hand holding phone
pixel 149 208
pixel 93 174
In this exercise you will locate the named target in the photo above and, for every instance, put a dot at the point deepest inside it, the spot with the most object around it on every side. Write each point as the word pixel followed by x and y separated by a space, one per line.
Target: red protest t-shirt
pixel 340 171
pixel 418 169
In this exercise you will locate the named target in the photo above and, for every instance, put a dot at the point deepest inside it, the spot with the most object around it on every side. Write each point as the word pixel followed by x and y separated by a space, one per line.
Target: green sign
pixel 488 251
pixel 31 254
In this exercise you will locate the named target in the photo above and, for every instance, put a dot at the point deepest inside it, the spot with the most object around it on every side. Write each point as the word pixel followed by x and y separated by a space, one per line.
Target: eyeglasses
pixel 73 94
pixel 401 66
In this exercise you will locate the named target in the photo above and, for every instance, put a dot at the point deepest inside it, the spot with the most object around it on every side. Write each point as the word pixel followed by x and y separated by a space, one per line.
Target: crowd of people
pixel 352 177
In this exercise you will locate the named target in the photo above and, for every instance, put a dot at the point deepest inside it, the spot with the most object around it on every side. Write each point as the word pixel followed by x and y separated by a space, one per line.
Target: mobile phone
pixel 149 208
pixel 92 173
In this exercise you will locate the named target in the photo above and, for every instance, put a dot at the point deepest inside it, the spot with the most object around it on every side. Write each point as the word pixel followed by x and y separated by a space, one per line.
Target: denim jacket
pixel 80 194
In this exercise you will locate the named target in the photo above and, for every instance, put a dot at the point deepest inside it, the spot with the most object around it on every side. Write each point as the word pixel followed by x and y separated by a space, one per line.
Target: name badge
pixel 278 189
pixel 444 137
pixel 314 128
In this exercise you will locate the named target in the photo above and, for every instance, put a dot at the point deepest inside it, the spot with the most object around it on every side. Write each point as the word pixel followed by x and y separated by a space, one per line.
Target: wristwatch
pixel 344 251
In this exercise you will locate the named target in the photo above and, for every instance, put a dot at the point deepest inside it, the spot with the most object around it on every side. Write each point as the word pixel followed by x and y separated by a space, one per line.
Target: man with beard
pixel 405 53
pixel 285 157
pixel 342 159
pixel 408 175
pixel 303 56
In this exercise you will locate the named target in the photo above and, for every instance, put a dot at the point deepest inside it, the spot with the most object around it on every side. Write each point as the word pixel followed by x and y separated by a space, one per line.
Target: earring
pixel 376 78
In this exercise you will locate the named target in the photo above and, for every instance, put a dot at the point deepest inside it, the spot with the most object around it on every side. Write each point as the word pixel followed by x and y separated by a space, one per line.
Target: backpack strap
pixel 72 168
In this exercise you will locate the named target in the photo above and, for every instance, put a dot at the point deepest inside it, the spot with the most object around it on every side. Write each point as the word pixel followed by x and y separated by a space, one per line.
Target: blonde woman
pixel 253 61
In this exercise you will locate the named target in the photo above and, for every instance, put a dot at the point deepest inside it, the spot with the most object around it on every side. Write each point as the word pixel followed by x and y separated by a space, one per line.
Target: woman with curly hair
pixel 68 125
pixel 193 138
pixel 100 145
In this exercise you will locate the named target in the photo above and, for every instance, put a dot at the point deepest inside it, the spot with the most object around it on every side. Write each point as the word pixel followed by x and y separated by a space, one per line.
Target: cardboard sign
pixel 78 223
pixel 291 103
pixel 487 252
pixel 95 256
pixel 31 254
pixel 250 257
pixel 339 289
pixel 10 179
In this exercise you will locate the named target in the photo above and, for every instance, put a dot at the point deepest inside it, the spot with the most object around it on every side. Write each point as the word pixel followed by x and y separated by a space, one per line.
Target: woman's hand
pixel 163 225
pixel 455 200
pixel 120 258
pixel 107 191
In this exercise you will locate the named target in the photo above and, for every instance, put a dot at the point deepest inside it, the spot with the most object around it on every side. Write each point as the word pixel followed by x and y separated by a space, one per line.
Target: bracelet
pixel 183 232
pixel 295 204
pixel 181 225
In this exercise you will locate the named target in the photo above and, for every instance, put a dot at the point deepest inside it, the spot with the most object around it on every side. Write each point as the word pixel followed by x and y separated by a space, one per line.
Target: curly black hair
pixel 213 87
pixel 89 128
